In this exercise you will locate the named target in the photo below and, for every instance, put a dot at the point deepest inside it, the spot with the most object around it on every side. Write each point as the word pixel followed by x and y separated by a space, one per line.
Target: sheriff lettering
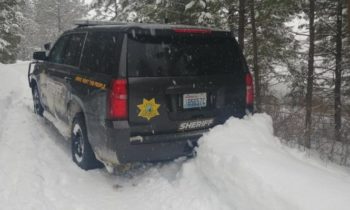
pixel 195 124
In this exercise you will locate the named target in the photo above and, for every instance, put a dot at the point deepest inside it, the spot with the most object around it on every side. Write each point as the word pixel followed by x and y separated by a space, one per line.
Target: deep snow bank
pixel 250 169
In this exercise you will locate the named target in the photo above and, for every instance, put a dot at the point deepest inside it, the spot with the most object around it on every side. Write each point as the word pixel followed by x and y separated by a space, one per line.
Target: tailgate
pixel 183 82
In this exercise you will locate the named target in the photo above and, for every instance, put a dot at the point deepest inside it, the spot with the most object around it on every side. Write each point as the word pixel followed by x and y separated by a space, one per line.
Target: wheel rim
pixel 78 143
pixel 36 101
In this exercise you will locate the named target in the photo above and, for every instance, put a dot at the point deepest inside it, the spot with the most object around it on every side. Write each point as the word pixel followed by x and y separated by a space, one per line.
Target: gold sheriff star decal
pixel 148 109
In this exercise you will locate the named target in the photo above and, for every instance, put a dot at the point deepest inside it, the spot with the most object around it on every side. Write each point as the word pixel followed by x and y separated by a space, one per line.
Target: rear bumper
pixel 167 138
pixel 151 148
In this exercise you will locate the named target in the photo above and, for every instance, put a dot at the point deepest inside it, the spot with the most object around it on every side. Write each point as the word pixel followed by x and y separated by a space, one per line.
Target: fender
pixel 74 106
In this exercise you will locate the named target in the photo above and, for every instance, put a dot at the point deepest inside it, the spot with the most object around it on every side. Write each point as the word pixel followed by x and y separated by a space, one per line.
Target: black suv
pixel 140 92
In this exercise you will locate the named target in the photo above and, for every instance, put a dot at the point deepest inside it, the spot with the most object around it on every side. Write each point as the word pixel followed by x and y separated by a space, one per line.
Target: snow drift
pixel 239 165
pixel 250 169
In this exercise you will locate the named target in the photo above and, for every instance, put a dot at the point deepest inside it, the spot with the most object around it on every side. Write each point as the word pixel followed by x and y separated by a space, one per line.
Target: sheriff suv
pixel 140 92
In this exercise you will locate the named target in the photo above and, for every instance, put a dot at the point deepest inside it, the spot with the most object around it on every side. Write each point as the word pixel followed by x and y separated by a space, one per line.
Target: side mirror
pixel 47 46
pixel 41 55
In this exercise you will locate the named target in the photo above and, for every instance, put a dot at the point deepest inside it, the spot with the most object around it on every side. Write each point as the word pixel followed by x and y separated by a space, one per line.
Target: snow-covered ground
pixel 240 165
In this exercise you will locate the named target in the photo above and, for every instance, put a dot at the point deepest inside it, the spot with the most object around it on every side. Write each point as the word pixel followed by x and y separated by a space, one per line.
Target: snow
pixel 189 5
pixel 3 44
pixel 202 3
pixel 240 165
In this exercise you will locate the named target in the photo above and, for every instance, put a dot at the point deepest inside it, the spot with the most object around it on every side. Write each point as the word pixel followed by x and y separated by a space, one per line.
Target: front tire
pixel 38 108
pixel 82 152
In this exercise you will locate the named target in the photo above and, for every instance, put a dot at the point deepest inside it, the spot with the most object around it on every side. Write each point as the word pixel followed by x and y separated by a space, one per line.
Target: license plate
pixel 194 100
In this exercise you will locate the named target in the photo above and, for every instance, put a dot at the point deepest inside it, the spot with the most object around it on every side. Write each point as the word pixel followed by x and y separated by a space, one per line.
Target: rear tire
pixel 38 108
pixel 82 152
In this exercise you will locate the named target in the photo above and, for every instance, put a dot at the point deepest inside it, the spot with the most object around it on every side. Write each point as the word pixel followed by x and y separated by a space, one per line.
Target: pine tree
pixel 163 11
pixel 191 12
pixel 241 22
pixel 310 74
pixel 348 11
pixel 9 30
pixel 29 28
pixel 275 42
pixel 255 57
pixel 331 52
pixel 56 16
pixel 338 70
pixel 120 10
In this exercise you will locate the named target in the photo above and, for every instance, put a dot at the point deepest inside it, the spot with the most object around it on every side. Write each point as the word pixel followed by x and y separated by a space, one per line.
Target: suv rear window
pixel 100 52
pixel 150 56
pixel 73 49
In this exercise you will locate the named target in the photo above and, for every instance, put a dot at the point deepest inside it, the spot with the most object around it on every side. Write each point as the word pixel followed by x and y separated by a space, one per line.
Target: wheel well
pixel 73 109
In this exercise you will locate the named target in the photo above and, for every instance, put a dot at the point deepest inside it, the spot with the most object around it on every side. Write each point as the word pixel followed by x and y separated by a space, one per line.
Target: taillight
pixel 249 89
pixel 118 100
pixel 192 30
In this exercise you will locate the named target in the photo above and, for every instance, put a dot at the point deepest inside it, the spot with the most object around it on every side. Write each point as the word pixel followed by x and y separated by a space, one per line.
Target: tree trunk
pixel 310 76
pixel 231 11
pixel 349 17
pixel 338 67
pixel 115 10
pixel 241 23
pixel 255 58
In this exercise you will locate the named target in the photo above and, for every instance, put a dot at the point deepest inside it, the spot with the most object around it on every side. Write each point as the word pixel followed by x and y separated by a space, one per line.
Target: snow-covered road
pixel 240 165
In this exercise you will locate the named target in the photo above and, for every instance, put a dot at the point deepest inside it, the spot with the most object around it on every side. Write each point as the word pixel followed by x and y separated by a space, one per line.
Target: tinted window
pixel 182 56
pixel 100 52
pixel 73 49
pixel 57 52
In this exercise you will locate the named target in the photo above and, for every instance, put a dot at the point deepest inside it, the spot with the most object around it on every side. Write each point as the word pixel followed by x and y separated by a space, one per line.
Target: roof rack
pixel 84 23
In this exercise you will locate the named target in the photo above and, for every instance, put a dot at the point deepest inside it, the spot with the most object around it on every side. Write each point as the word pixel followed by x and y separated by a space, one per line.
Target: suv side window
pixel 56 54
pixel 73 49
pixel 100 52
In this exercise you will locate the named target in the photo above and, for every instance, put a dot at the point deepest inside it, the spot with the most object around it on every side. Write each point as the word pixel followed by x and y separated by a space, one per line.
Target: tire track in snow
pixel 5 105
pixel 13 86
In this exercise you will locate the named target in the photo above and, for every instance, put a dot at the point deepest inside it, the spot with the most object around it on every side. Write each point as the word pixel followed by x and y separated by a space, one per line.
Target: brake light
pixel 249 89
pixel 118 100
pixel 192 30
